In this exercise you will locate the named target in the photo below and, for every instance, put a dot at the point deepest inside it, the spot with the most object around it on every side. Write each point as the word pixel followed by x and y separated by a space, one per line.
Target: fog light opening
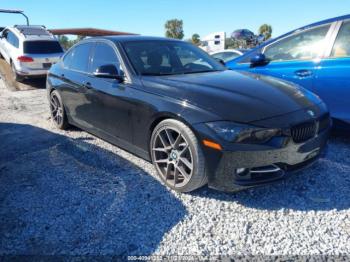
pixel 265 169
pixel 242 171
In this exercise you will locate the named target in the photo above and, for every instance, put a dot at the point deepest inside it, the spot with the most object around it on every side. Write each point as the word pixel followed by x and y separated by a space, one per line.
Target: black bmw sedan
pixel 169 102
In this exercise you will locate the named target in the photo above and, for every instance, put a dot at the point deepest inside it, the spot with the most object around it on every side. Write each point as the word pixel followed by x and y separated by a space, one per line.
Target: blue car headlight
pixel 240 133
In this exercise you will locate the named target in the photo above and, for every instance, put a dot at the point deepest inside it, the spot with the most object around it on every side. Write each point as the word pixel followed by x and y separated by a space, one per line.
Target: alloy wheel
pixel 172 156
pixel 56 109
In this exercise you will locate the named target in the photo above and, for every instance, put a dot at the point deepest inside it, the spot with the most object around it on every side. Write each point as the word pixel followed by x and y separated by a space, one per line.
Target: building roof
pixel 86 32
pixel 130 38
pixel 127 38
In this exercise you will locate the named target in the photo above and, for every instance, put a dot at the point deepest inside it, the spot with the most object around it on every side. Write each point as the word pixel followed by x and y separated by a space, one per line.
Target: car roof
pixel 329 20
pixel 31 32
pixel 326 21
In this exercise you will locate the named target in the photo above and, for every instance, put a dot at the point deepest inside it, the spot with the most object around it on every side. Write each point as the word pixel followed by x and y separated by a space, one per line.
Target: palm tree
pixel 196 39
pixel 266 31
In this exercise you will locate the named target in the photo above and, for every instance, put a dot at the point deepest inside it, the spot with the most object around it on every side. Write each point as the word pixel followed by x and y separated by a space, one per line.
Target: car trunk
pixel 42 53
pixel 43 61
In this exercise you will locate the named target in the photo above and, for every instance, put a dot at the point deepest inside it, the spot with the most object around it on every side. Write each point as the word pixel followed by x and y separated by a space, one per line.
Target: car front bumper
pixel 261 164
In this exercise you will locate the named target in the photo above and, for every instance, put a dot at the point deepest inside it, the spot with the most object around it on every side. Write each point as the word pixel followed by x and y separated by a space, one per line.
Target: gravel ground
pixel 71 193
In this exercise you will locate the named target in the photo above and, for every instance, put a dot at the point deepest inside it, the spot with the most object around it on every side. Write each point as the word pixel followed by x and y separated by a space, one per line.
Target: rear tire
pixel 58 113
pixel 177 156
pixel 16 76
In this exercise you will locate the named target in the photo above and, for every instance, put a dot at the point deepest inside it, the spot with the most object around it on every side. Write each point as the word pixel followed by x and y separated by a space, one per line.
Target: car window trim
pixel 332 38
pixel 336 33
pixel 6 31
pixel 328 35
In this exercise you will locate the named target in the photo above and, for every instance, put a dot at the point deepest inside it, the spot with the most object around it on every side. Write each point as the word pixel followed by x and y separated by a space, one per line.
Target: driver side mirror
pixel 259 60
pixel 109 71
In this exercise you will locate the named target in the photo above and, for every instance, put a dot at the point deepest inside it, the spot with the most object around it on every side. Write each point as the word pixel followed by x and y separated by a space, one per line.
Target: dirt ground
pixel 11 84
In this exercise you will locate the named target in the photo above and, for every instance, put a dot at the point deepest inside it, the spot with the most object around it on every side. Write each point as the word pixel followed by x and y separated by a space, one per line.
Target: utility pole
pixel 9 11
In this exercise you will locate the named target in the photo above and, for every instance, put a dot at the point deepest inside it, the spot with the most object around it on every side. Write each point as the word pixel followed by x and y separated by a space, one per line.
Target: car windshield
pixel 41 47
pixel 169 58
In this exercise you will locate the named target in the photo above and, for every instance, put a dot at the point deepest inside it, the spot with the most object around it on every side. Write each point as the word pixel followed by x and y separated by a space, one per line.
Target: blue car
pixel 316 57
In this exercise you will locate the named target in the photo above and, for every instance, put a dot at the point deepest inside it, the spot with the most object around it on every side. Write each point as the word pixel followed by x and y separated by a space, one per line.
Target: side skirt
pixel 115 141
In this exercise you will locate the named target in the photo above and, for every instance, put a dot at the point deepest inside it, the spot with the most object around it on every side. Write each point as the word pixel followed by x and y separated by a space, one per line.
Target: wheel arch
pixel 161 116
pixel 11 63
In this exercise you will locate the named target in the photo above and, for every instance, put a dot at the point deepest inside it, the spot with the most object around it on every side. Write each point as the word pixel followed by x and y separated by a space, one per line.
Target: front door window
pixel 305 45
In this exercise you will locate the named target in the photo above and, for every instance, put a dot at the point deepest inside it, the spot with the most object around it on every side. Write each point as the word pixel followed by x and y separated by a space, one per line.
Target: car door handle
pixel 303 73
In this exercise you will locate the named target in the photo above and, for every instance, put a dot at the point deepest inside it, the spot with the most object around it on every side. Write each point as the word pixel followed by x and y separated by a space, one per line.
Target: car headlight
pixel 239 133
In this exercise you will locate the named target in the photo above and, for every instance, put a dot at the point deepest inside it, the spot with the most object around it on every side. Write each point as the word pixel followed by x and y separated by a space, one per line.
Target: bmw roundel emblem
pixel 311 113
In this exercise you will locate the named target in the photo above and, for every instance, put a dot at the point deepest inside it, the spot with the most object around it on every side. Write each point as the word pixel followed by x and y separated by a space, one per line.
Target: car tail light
pixel 25 59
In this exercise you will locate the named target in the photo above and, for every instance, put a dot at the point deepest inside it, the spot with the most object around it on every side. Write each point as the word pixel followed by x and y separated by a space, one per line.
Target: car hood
pixel 235 96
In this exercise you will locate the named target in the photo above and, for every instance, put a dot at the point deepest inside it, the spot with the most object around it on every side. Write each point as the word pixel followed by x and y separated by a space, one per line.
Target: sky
pixel 147 17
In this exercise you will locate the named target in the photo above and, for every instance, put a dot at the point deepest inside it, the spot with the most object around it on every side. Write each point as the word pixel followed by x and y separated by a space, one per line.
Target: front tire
pixel 177 156
pixel 58 113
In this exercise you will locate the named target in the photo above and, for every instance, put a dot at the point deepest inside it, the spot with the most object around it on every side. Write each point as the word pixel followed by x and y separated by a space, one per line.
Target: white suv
pixel 30 50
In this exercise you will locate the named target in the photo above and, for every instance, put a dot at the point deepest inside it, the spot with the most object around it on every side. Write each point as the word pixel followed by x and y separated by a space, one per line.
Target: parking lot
pixel 72 193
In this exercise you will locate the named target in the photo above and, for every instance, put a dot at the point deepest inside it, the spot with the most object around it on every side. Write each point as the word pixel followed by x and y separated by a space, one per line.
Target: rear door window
pixel 341 46
pixel 12 39
pixel 41 47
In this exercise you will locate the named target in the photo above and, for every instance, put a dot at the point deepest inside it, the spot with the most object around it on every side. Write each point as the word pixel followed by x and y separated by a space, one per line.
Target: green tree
pixel 80 37
pixel 196 39
pixel 64 41
pixel 174 29
pixel 67 43
pixel 77 39
pixel 266 31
